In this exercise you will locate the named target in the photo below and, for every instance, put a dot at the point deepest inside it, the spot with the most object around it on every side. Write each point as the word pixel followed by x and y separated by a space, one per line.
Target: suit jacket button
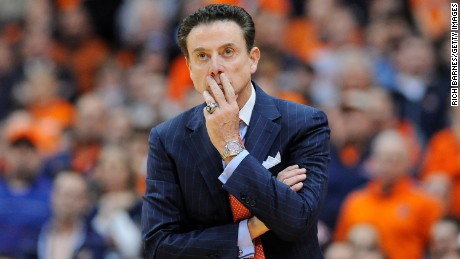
pixel 252 203
pixel 243 196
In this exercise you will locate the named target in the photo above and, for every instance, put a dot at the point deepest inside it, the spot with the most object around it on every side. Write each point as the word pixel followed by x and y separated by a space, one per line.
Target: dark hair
pixel 217 12
pixel 23 141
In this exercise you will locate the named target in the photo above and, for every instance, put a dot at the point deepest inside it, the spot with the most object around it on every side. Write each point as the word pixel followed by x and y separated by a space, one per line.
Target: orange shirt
pixel 402 217
pixel 443 156
pixel 59 110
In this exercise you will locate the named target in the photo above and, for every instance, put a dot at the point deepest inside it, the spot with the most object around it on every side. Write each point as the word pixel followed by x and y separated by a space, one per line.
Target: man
pixel 68 234
pixel 401 212
pixel 24 195
pixel 205 167
pixel 441 159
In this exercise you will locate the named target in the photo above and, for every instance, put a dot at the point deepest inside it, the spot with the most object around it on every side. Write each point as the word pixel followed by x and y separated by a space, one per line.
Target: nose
pixel 216 67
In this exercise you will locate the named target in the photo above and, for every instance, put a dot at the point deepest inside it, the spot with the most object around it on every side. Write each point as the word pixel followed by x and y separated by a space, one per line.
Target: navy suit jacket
pixel 186 211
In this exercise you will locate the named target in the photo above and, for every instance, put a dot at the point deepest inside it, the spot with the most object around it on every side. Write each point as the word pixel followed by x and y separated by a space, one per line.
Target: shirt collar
pixel 246 111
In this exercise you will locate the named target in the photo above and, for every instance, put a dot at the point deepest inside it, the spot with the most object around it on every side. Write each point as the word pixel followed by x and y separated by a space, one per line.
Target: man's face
pixel 69 199
pixel 219 47
pixel 23 161
pixel 390 160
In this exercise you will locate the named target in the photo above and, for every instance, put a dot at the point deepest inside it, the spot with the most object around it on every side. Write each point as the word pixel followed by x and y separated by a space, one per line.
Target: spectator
pixel 419 98
pixel 110 85
pixel 24 196
pixel 383 116
pixel 352 129
pixel 68 235
pixel 81 143
pixel 119 206
pixel 304 37
pixel 364 239
pixel 120 123
pixel 401 212
pixel 149 104
pixel 439 185
pixel 36 54
pixel 362 243
pixel 445 237
pixel 442 156
pixel 43 100
pixel 142 21
pixel 78 47
pixel 273 71
pixel 89 131
pixel 40 96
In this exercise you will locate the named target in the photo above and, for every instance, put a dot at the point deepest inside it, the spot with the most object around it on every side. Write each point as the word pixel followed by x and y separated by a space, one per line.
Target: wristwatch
pixel 232 148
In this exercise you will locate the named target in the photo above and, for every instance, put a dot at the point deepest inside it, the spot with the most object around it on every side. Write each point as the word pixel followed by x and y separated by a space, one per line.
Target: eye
pixel 201 56
pixel 228 52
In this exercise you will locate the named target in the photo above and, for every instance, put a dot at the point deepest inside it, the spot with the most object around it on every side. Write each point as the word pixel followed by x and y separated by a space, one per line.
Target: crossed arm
pixel 292 176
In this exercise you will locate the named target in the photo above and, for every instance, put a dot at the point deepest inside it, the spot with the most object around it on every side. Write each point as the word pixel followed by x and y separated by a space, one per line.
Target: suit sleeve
pixel 166 230
pixel 290 215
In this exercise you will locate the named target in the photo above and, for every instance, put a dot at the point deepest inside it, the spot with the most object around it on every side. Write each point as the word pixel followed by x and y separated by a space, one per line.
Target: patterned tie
pixel 240 212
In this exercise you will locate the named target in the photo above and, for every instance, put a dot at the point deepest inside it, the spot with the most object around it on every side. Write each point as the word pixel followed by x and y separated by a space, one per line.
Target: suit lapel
pixel 263 129
pixel 208 160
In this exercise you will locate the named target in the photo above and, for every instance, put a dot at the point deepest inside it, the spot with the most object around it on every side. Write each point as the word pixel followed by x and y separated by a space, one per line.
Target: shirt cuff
pixel 245 245
pixel 230 168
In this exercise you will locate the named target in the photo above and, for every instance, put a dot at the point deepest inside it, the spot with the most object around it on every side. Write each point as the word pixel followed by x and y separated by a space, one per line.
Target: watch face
pixel 234 147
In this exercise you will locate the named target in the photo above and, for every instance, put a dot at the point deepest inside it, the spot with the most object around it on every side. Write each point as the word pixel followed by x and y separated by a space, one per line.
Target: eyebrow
pixel 199 49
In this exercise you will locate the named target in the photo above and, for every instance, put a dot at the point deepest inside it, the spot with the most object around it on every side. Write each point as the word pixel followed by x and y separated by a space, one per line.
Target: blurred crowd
pixel 82 82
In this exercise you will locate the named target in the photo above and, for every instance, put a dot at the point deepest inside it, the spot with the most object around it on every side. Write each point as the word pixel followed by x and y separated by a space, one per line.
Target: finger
pixel 228 88
pixel 281 175
pixel 289 168
pixel 294 172
pixel 207 97
pixel 295 179
pixel 297 187
pixel 216 91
